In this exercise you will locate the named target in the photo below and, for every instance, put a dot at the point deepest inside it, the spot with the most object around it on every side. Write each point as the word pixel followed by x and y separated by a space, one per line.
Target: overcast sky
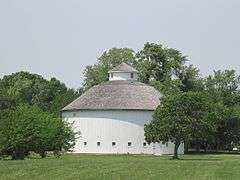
pixel 60 37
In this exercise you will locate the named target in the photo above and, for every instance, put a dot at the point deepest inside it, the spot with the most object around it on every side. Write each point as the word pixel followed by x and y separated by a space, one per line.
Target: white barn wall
pixel 120 126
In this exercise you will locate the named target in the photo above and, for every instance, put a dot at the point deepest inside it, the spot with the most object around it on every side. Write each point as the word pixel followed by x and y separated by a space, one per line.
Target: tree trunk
pixel 186 144
pixel 205 146
pixel 43 154
pixel 18 154
pixel 198 146
pixel 176 146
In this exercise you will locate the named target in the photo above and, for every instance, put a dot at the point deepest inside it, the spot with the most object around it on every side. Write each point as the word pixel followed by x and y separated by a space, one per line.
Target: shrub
pixel 28 128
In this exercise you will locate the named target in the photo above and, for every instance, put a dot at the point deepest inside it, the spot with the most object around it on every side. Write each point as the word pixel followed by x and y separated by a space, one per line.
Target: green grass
pixel 123 167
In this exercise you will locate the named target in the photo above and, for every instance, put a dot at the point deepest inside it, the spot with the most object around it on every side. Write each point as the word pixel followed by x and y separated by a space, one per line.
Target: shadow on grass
pixel 212 153
pixel 201 159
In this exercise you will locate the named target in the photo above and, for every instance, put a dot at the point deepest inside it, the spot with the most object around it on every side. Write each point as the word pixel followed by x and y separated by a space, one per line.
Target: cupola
pixel 123 72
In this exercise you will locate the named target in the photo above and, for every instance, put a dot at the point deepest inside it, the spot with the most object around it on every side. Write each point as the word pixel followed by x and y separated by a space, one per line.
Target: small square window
pixel 144 144
pixel 98 143
pixel 85 143
pixel 129 143
pixel 131 75
pixel 113 143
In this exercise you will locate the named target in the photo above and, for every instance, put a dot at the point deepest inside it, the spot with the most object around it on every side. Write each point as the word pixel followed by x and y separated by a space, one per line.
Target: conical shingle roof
pixel 117 95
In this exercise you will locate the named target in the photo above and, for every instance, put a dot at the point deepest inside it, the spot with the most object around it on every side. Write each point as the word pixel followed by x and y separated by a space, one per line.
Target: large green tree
pixel 154 63
pixel 28 128
pixel 158 62
pixel 166 69
pixel 180 118
pixel 223 88
pixel 33 89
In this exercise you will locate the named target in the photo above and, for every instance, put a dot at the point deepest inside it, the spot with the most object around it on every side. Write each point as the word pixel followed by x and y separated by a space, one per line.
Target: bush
pixel 28 128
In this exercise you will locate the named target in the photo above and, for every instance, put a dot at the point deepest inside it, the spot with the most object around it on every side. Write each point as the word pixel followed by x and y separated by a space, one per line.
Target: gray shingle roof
pixel 117 95
pixel 123 67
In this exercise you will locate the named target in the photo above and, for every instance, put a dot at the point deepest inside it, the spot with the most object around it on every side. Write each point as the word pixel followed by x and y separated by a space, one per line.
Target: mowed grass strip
pixel 123 167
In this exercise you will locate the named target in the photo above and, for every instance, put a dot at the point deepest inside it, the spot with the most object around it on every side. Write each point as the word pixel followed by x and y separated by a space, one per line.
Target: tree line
pixel 201 112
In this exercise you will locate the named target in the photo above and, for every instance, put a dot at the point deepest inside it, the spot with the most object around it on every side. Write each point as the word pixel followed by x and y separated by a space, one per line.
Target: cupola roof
pixel 123 67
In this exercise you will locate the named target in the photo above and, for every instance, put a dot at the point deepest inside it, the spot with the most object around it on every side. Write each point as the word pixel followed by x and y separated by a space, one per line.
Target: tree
pixel 186 79
pixel 32 89
pixel 159 63
pixel 166 69
pixel 61 100
pixel 28 128
pixel 181 118
pixel 98 73
pixel 232 128
pixel 5 100
pixel 223 88
pixel 189 78
pixel 154 63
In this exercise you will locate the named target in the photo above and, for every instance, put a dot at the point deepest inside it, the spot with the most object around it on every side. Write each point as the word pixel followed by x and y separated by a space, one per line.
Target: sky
pixel 59 38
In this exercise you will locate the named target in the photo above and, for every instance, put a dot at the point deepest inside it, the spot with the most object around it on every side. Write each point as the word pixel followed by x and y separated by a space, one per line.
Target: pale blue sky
pixel 60 37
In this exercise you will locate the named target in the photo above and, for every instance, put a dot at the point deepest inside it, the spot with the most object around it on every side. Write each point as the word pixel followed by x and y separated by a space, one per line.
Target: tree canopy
pixel 181 118
pixel 28 128
pixel 154 63
pixel 25 88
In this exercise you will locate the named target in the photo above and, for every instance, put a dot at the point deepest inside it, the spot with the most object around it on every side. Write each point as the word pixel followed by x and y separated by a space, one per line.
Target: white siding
pixel 122 76
pixel 114 126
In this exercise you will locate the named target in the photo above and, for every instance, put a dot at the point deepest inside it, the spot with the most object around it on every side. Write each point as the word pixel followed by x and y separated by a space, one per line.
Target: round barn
pixel 111 116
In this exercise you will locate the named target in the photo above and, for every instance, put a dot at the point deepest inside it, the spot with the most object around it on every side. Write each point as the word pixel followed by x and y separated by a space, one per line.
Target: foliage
pixel 156 65
pixel 190 79
pixel 165 69
pixel 231 126
pixel 181 118
pixel 223 88
pixel 32 89
pixel 28 128
pixel 158 62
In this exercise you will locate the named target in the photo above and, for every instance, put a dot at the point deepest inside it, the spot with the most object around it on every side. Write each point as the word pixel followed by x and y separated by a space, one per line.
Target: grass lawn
pixel 123 167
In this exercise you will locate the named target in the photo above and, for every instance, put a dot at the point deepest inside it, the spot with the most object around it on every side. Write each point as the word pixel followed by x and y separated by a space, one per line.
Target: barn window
pixel 98 143
pixel 113 143
pixel 144 144
pixel 131 75
pixel 85 143
pixel 129 144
